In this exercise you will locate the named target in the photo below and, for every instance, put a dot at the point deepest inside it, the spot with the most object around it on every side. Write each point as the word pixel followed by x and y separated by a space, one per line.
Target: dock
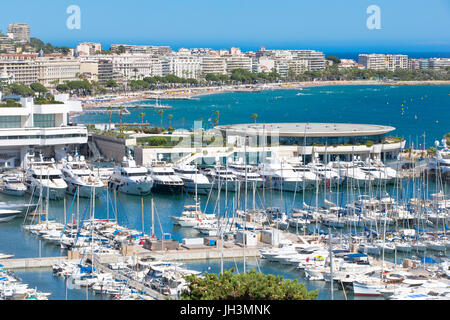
pixel 27 263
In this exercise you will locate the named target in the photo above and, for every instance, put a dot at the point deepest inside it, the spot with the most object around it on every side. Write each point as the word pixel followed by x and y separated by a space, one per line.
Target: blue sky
pixel 329 25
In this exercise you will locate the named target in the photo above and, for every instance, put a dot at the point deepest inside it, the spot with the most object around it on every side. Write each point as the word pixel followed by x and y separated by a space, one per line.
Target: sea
pixel 415 111
pixel 425 110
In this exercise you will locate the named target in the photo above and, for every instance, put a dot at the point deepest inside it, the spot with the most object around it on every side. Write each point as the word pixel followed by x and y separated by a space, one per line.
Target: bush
pixel 369 143
pixel 245 286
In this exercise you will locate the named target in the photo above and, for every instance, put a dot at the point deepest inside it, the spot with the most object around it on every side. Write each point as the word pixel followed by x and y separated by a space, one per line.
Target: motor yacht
pixel 192 178
pixel 246 172
pixel 164 179
pixel 12 185
pixel 223 179
pixel 44 178
pixel 79 176
pixel 280 175
pixel 131 179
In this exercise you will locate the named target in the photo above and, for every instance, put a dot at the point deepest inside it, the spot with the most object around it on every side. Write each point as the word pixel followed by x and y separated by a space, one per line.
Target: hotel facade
pixel 38 128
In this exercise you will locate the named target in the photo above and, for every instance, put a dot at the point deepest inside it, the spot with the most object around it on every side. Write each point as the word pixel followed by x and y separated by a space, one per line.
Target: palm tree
pixel 161 112
pixel 182 121
pixel 121 111
pixel 217 114
pixel 254 116
pixel 142 115
pixel 110 108
pixel 135 70
pixel 170 116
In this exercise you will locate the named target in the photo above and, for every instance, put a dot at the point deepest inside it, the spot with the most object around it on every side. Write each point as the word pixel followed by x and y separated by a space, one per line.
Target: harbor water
pixel 413 110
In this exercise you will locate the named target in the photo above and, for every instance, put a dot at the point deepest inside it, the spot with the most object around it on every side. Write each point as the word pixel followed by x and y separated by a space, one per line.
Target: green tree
pixel 170 116
pixel 21 90
pixel 245 286
pixel 161 113
pixel 62 87
pixel 39 88
pixel 110 110
pixel 142 115
pixel 335 59
pixel 254 116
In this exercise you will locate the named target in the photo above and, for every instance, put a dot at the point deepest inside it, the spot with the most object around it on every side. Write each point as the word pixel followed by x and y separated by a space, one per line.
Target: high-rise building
pixel 19 32
pixel 384 61
pixel 438 63
pixel 89 48
pixel 238 62
pixel 213 64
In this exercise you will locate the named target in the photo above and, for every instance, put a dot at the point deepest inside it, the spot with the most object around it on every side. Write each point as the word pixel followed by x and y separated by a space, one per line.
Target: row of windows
pixel 56 136
pixel 10 122
pixel 44 120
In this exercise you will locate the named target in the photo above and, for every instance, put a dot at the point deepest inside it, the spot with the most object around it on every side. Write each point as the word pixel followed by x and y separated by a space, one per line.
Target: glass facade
pixel 9 122
pixel 44 120
pixel 330 141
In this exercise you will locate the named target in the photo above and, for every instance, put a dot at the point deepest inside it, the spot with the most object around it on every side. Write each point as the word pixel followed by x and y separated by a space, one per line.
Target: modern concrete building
pixel 184 66
pixel 308 139
pixel 213 64
pixel 438 63
pixel 39 128
pixel 19 32
pixel 89 48
pixel 57 70
pixel 384 61
pixel 238 62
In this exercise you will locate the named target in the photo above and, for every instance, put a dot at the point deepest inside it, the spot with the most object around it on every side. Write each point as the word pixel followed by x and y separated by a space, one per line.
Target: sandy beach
pixel 192 93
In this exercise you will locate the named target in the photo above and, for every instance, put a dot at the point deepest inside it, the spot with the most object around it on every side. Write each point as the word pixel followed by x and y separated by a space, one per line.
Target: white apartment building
pixel 384 61
pixel 263 64
pixel 213 64
pixel 315 59
pixel 88 48
pixel 184 66
pixel 238 62
pixel 19 32
pixel 298 66
pixel 57 70
pixel 136 66
pixel 21 71
pixel 437 63
pixel 38 128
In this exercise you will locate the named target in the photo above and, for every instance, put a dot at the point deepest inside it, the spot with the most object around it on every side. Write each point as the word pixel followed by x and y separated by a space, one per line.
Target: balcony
pixel 19 137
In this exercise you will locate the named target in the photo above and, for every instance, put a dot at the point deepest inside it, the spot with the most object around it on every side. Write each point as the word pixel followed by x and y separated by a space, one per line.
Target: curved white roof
pixel 308 129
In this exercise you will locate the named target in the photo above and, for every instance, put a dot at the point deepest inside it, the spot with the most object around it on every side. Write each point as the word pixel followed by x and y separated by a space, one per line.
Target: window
pixel 9 121
pixel 44 120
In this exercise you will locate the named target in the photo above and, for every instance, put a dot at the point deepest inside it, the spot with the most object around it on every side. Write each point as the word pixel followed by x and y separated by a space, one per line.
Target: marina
pixel 116 228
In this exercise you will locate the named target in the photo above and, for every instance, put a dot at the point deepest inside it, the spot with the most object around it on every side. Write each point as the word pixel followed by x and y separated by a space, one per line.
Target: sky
pixel 327 25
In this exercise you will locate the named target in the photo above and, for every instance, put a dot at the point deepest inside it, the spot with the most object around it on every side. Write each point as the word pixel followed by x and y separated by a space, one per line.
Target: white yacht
pixel 352 173
pixel 379 174
pixel 310 179
pixel 325 173
pixel 12 185
pixel 7 215
pixel 441 162
pixel 79 176
pixel 390 172
pixel 243 171
pixel 192 178
pixel 44 177
pixel 165 179
pixel 192 216
pixel 131 179
pixel 223 178
pixel 280 175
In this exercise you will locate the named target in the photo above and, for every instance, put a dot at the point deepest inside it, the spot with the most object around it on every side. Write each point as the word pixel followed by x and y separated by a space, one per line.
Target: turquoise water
pixel 425 108
pixel 357 104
